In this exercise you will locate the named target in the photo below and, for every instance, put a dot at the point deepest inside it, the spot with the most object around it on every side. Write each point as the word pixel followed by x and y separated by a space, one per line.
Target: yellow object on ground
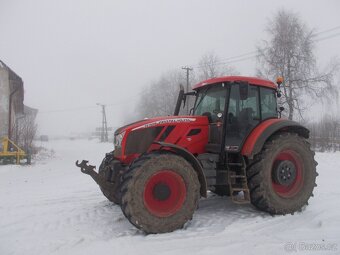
pixel 10 153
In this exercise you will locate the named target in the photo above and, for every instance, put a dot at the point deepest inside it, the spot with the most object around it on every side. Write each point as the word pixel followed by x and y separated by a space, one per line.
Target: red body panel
pixel 179 135
pixel 184 124
pixel 250 80
pixel 249 144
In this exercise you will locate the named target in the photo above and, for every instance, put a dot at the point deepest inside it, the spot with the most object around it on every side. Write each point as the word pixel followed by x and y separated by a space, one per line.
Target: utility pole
pixel 187 69
pixel 103 135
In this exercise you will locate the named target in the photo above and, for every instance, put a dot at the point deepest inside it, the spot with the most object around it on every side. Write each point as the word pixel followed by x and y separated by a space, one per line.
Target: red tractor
pixel 234 143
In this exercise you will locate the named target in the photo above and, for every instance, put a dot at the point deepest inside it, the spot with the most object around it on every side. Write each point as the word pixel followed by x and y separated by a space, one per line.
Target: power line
pixel 327 31
pixel 86 107
pixel 254 54
pixel 239 56
pixel 224 61
pixel 231 61
pixel 68 109
pixel 327 37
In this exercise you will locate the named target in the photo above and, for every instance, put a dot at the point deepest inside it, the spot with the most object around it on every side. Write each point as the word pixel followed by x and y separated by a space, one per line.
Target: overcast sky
pixel 74 54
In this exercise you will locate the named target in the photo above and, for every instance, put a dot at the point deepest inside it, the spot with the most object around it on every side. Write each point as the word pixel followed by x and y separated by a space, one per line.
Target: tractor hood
pixel 161 121
pixel 189 132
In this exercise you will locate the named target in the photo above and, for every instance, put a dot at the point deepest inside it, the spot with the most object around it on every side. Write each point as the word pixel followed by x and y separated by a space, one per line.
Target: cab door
pixel 213 105
pixel 242 116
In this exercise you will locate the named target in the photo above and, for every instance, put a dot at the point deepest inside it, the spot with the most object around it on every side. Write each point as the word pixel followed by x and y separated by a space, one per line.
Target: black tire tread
pixel 108 194
pixel 258 186
pixel 129 178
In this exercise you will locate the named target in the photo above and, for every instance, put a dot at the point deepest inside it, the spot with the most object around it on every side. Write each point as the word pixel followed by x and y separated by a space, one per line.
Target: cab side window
pixel 247 110
pixel 251 104
pixel 268 103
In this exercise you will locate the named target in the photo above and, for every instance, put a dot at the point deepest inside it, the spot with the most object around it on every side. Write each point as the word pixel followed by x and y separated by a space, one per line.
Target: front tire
pixel 160 192
pixel 105 170
pixel 282 176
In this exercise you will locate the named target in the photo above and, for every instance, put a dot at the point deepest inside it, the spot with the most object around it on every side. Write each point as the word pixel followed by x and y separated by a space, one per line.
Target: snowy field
pixel 50 207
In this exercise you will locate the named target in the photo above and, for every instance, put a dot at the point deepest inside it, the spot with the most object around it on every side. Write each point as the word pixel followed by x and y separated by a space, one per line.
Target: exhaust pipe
pixel 179 100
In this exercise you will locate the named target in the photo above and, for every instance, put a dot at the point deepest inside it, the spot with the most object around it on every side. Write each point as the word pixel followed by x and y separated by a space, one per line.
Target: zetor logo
pixel 166 121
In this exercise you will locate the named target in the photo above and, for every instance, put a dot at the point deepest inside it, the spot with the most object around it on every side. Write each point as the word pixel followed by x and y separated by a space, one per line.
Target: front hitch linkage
pixel 88 169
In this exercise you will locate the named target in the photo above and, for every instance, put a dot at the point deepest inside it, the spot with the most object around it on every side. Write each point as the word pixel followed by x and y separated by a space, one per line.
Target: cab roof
pixel 250 80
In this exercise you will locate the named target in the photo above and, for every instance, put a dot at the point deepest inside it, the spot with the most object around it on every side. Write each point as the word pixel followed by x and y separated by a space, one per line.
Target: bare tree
pixel 159 99
pixel 25 129
pixel 290 53
pixel 210 66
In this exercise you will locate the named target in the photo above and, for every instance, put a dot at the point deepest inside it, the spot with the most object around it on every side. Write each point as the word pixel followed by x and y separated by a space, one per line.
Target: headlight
pixel 118 139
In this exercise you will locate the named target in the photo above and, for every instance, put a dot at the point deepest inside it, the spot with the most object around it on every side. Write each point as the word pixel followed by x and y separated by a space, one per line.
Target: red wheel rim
pixel 164 193
pixel 295 187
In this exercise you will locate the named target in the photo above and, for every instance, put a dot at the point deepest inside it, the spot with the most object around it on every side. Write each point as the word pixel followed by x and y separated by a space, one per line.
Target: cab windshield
pixel 211 101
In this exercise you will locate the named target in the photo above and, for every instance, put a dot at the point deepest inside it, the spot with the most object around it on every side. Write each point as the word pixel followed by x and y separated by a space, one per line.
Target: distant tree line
pixel 325 134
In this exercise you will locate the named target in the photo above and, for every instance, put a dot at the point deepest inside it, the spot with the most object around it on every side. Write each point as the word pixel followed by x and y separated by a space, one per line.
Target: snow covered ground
pixel 51 208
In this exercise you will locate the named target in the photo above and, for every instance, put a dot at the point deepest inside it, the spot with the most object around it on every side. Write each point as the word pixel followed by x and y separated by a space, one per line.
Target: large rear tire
pixel 282 176
pixel 160 192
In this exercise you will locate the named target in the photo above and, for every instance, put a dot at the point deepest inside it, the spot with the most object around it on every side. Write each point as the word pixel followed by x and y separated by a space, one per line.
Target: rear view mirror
pixel 243 86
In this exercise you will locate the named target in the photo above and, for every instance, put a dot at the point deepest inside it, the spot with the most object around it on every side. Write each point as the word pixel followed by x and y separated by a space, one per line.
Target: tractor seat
pixel 246 115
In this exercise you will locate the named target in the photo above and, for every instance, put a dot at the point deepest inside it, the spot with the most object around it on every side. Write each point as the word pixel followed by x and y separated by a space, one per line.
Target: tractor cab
pixel 234 107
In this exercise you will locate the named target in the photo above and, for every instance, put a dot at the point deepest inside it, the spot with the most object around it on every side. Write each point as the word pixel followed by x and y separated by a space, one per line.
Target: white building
pixel 11 99
pixel 17 121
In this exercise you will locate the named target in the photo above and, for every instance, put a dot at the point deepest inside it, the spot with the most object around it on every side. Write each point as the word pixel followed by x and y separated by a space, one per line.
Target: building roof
pixel 250 80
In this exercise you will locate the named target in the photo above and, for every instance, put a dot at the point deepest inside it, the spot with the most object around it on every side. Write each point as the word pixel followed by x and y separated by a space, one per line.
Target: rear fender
pixel 257 138
pixel 192 160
